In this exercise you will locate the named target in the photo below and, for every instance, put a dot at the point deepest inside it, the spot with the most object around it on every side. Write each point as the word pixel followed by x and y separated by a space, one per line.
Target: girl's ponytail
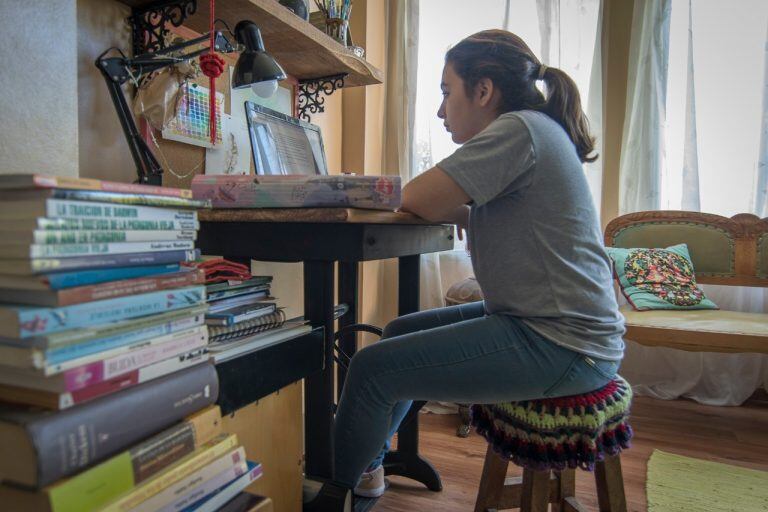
pixel 563 104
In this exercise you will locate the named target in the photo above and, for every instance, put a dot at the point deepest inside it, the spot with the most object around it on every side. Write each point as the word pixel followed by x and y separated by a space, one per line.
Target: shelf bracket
pixel 309 93
pixel 148 23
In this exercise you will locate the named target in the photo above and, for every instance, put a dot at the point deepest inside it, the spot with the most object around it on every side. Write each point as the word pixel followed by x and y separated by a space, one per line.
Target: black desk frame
pixel 320 245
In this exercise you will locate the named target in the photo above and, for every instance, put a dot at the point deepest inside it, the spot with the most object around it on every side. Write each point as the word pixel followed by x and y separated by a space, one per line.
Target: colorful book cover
pixel 299 191
pixel 65 442
pixel 108 332
pixel 42 357
pixel 104 482
pixel 22 181
pixel 65 209
pixel 90 385
pixel 104 197
pixel 25 322
pixel 60 400
pixel 221 496
pixel 124 361
pixel 198 484
pixel 51 265
pixel 203 456
pixel 42 236
pixel 71 250
pixel 102 291
pixel 64 280
pixel 106 224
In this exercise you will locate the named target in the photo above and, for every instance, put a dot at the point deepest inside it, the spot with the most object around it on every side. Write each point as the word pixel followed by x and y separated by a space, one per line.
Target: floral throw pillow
pixel 658 278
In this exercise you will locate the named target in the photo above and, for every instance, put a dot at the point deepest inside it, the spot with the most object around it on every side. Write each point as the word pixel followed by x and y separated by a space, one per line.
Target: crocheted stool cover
pixel 559 433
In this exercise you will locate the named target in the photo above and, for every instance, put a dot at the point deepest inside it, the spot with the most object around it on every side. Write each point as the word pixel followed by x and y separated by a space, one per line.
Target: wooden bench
pixel 724 252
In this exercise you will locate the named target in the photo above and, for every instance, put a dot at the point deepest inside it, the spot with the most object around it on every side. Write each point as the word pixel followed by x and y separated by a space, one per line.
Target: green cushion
pixel 658 278
pixel 712 249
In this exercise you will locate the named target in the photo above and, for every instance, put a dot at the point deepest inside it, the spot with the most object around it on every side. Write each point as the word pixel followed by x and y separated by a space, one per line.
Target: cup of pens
pixel 336 18
pixel 337 29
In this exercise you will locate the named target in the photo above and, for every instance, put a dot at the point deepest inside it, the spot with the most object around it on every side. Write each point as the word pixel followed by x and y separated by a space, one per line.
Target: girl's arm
pixel 434 196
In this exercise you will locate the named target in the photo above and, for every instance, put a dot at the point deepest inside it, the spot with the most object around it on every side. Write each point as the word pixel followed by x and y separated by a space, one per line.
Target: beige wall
pixel 38 103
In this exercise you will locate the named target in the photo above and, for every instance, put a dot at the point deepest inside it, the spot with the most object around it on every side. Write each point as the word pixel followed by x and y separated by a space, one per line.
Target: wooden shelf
pixel 301 49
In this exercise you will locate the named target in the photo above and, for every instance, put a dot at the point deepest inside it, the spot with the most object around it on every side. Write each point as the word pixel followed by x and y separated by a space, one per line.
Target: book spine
pixel 100 331
pixel 46 265
pixel 133 378
pixel 41 236
pixel 37 321
pixel 64 280
pixel 115 225
pixel 79 350
pixel 223 495
pixel 203 456
pixel 65 209
pixel 186 491
pixel 103 483
pixel 79 437
pixel 149 352
pixel 45 181
pixel 68 250
pixel 113 289
pixel 128 198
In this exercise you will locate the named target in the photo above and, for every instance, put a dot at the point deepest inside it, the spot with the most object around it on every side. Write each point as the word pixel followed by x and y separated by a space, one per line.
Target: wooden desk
pixel 321 237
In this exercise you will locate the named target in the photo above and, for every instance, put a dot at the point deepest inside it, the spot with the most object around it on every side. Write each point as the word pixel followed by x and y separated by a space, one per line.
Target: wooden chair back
pixel 725 251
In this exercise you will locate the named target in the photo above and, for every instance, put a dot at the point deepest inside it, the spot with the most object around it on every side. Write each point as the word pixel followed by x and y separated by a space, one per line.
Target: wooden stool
pixel 550 439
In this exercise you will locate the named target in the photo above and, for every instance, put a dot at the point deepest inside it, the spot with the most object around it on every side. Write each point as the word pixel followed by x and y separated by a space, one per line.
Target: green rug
pixel 682 484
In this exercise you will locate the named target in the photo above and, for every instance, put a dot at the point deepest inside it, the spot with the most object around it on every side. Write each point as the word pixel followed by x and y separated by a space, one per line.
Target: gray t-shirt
pixel 534 235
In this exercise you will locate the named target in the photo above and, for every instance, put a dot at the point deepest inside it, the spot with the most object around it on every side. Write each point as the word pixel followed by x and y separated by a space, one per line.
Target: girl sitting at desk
pixel 549 325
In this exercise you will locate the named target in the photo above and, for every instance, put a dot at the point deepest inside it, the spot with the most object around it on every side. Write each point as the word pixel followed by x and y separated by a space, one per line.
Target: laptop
pixel 282 144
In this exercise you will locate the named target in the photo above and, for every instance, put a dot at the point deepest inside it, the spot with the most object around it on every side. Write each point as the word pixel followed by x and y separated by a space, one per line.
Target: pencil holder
pixel 337 29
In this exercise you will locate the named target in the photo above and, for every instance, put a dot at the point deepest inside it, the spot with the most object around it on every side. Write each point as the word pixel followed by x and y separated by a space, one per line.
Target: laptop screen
pixel 282 144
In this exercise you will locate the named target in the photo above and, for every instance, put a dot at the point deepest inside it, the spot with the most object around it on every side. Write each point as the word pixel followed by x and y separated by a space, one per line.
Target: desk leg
pixel 348 277
pixel 318 388
pixel 406 460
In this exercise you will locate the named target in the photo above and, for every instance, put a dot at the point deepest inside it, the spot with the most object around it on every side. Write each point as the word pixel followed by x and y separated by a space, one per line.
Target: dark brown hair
pixel 509 63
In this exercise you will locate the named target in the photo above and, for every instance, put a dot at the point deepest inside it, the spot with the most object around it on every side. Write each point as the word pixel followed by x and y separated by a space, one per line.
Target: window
pixel 561 33
pixel 720 93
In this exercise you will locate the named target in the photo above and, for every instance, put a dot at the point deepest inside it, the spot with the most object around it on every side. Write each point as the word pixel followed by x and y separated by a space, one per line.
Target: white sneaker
pixel 371 485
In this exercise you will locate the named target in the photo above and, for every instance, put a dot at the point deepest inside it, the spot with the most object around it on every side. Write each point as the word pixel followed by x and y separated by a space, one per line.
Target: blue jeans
pixel 453 354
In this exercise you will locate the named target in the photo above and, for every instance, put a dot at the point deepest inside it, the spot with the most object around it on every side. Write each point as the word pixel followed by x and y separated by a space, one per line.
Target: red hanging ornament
pixel 212 66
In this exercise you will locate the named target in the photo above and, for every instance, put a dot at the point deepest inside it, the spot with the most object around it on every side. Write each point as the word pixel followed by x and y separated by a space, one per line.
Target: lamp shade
pixel 254 64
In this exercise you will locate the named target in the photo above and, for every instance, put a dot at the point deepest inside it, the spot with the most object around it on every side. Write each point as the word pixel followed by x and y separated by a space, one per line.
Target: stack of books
pixel 242 314
pixel 106 388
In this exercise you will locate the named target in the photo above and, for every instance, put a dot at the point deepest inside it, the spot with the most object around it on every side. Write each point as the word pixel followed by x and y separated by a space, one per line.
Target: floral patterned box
pixel 299 191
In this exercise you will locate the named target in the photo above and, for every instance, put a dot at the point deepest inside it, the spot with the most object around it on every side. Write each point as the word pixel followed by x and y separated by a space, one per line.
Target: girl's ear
pixel 484 91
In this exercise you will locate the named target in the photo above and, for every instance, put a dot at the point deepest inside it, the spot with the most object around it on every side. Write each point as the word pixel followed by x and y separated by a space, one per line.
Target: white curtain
pixel 643 138
pixel 660 168
pixel 761 191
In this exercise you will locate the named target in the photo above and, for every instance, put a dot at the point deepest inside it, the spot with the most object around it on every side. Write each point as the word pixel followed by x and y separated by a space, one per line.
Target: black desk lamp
pixel 253 66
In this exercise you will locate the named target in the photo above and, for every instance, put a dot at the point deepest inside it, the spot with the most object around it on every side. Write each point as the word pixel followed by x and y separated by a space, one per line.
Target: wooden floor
pixel 734 435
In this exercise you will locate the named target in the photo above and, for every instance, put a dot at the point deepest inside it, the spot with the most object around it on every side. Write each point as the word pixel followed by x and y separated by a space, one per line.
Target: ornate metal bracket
pixel 148 23
pixel 310 100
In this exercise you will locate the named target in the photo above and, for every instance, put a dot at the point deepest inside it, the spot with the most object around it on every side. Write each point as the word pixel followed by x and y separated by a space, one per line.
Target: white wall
pixel 38 87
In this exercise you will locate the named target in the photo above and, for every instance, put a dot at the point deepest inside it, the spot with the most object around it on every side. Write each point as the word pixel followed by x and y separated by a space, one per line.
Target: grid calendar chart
pixel 190 125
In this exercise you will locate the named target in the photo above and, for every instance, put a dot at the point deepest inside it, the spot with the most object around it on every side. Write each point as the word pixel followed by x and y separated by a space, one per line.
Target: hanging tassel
pixel 212 66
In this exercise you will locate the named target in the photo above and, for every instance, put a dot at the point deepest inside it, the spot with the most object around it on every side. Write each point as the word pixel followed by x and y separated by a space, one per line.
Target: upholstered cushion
pixel 712 249
pixel 658 278
pixel 463 292
pixel 558 433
